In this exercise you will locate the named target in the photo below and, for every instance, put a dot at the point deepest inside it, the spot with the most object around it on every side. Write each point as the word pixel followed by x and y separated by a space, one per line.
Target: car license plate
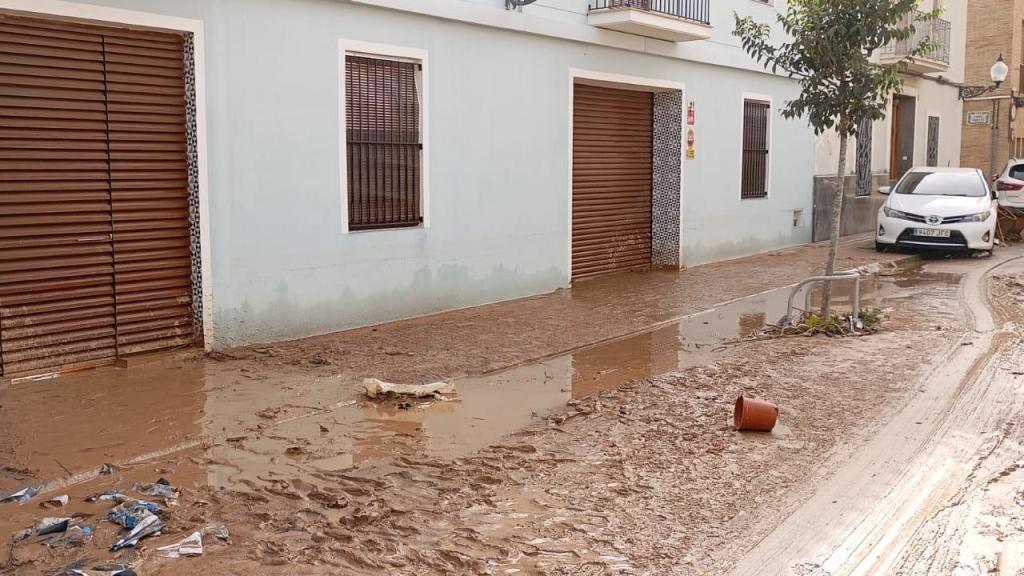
pixel 931 232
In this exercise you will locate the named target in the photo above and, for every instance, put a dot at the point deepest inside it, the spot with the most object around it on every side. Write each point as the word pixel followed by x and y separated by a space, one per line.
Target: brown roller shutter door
pixel 94 230
pixel 611 180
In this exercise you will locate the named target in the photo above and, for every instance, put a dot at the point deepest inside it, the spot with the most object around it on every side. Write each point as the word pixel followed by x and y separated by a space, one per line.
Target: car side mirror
pixel 885 190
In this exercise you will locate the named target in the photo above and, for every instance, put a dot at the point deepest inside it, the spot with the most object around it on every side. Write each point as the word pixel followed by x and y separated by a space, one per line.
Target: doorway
pixel 901 149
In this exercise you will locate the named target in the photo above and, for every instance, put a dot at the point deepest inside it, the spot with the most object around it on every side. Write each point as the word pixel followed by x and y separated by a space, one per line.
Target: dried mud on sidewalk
pixel 639 473
pixel 483 339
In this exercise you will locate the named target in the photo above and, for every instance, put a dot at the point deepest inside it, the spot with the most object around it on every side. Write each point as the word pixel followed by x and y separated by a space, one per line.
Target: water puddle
pixel 256 427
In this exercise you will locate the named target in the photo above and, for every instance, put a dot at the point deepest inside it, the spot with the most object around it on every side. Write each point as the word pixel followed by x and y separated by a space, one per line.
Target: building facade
pixel 991 132
pixel 257 170
pixel 922 125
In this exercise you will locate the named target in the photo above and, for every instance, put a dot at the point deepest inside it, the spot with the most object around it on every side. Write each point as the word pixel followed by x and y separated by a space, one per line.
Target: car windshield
pixel 942 184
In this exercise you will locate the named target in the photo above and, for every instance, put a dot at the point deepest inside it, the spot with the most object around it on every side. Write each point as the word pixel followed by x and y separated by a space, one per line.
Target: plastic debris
pixel 376 388
pixel 191 546
pixel 149 526
pixel 78 535
pixel 130 514
pixel 74 536
pixel 221 533
pixel 108 496
pixel 23 495
pixel 56 502
pixel 161 488
pixel 22 534
pixel 108 469
pixel 52 526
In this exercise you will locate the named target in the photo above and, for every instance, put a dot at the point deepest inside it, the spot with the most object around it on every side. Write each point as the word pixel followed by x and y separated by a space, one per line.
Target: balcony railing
pixel 698 11
pixel 936 32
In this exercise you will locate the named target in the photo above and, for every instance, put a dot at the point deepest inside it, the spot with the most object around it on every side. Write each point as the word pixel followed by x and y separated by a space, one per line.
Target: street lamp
pixel 998 73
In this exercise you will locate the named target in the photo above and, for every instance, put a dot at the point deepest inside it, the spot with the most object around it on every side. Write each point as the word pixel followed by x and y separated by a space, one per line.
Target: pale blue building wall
pixel 499 164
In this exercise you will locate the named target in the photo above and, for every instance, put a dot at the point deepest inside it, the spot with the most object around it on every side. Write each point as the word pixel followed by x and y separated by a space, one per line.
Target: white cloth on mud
pixel 375 388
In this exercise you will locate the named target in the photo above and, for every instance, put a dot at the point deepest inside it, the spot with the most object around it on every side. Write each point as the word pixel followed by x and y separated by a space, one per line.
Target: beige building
pixel 989 119
pixel 922 125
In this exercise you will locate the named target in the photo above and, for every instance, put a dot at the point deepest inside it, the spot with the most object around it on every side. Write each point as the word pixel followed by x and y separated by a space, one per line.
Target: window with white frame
pixel 384 146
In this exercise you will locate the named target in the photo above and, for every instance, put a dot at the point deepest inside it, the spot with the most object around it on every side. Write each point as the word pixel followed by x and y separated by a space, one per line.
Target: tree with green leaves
pixel 828 49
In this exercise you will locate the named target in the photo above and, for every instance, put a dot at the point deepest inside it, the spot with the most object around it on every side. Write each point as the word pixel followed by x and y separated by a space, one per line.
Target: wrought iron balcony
pixel 671 20
pixel 936 32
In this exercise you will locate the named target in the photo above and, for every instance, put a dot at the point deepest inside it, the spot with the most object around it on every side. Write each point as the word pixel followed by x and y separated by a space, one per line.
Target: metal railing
pixel 694 10
pixel 851 275
pixel 935 32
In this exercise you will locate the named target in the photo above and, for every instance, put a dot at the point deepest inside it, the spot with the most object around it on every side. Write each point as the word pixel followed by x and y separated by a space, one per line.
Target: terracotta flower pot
pixel 755 415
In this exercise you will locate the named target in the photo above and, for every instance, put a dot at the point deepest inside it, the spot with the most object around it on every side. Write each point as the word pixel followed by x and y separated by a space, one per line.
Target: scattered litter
pixel 234 439
pixel 52 526
pixel 405 406
pixel 375 388
pixel 78 535
pixel 161 488
pixel 149 526
pixel 131 514
pixel 108 497
pixel 22 534
pixel 295 451
pixel 221 533
pixel 323 429
pixel 191 546
pixel 74 536
pixel 108 469
pixel 23 495
pixel 56 502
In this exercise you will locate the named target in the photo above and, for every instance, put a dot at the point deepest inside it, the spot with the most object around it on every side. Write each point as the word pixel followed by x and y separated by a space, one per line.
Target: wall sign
pixel 984 117
pixel 691 141
pixel 691 114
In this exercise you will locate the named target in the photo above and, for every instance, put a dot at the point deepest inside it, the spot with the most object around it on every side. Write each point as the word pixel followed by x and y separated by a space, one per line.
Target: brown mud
pixel 614 458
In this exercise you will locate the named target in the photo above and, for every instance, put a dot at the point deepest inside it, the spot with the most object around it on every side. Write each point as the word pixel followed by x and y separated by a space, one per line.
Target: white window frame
pixel 384 51
pixel 764 99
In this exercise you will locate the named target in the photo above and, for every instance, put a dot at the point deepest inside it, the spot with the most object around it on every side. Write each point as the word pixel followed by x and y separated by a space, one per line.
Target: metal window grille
pixel 755 149
pixel 933 141
pixel 864 158
pixel 382 111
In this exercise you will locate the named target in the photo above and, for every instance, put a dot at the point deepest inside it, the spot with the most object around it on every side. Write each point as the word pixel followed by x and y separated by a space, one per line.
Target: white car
pixel 1010 184
pixel 938 208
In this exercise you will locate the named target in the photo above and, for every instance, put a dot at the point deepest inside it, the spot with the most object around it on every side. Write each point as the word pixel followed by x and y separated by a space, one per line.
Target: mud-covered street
pixel 895 452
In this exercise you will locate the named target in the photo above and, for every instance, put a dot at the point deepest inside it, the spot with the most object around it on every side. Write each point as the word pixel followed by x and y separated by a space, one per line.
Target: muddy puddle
pixel 230 426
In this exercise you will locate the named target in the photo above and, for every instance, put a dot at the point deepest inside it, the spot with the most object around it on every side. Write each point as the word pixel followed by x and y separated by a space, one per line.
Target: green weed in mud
pixel 834 325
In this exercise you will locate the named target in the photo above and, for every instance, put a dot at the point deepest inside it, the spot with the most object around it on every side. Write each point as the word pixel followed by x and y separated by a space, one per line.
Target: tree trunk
pixel 837 220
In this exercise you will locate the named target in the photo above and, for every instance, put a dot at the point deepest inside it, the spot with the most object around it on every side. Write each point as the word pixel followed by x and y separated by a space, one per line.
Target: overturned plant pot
pixel 754 415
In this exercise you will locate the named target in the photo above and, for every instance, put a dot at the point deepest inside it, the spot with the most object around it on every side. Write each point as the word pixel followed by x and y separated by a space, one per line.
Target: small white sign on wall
pixel 979 117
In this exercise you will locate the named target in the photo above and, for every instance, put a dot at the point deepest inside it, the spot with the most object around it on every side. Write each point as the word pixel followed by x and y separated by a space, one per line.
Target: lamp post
pixel 998 74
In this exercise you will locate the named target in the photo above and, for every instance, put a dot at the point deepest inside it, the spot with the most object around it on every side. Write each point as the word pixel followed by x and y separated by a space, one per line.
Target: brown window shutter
pixel 382 114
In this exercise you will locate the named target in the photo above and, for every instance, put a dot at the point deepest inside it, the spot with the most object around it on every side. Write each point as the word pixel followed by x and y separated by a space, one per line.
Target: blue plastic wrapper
pixel 130 514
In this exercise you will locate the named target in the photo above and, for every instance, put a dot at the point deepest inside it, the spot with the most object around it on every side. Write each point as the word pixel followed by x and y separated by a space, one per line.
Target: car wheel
pixel 879 247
